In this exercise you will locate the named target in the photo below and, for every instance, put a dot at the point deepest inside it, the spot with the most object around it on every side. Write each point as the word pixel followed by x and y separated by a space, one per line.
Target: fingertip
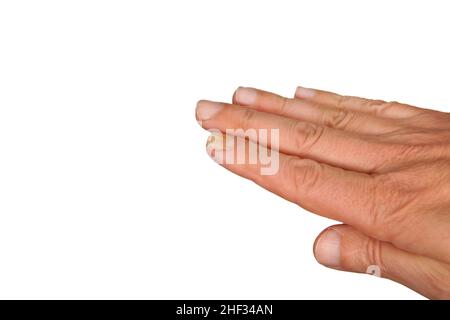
pixel 206 109
pixel 245 96
pixel 327 248
pixel 234 98
pixel 305 93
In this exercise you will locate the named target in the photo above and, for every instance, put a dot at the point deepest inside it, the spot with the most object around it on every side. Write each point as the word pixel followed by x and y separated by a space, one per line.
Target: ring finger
pixel 300 109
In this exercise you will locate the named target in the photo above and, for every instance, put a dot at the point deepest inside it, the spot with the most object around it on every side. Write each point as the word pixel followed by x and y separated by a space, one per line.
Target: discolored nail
pixel 246 96
pixel 207 109
pixel 328 249
pixel 220 147
pixel 210 144
pixel 306 93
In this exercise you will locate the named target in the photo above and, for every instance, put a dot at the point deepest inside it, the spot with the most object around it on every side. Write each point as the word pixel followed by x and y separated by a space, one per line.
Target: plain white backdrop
pixel 106 190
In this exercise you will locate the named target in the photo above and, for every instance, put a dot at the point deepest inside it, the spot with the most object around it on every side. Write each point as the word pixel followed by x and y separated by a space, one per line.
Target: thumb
pixel 344 248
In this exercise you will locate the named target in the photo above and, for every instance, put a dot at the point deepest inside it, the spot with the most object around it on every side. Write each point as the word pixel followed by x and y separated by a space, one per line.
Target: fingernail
pixel 214 145
pixel 328 249
pixel 246 96
pixel 212 142
pixel 302 92
pixel 207 109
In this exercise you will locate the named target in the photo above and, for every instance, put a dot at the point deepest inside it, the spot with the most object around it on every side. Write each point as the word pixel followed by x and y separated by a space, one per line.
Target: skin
pixel 381 168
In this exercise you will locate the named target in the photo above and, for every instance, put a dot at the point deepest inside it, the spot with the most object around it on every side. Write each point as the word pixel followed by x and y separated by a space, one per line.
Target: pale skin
pixel 381 168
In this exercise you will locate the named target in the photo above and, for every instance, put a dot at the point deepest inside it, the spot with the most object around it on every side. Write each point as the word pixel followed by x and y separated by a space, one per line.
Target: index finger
pixel 328 191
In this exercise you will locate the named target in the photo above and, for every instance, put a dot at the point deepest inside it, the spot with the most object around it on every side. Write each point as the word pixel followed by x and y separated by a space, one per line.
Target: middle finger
pixel 335 147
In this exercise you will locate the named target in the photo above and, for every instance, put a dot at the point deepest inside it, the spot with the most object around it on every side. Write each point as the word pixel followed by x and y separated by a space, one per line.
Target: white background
pixel 106 190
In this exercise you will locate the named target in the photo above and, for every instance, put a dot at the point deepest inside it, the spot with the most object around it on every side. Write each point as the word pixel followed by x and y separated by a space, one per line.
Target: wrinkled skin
pixel 381 168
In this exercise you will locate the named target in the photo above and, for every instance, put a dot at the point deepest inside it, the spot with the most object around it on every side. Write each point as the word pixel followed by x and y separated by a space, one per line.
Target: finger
pixel 325 190
pixel 375 107
pixel 304 139
pixel 338 118
pixel 344 248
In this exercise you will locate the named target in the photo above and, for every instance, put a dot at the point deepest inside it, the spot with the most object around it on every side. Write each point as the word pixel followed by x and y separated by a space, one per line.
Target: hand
pixel 380 168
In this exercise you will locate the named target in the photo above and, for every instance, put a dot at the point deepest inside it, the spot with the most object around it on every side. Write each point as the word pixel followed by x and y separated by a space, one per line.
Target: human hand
pixel 381 168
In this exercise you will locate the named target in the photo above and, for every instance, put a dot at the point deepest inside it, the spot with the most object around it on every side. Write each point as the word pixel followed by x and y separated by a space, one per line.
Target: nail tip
pixel 207 109
pixel 200 102
pixel 245 96
pixel 303 92
pixel 327 248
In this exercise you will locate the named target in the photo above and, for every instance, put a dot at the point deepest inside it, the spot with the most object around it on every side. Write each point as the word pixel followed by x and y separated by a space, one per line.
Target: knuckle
pixel 381 107
pixel 374 102
pixel 246 119
pixel 338 119
pixel 377 106
pixel 304 174
pixel 389 199
pixel 408 151
pixel 305 135
pixel 283 105
pixel 343 100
